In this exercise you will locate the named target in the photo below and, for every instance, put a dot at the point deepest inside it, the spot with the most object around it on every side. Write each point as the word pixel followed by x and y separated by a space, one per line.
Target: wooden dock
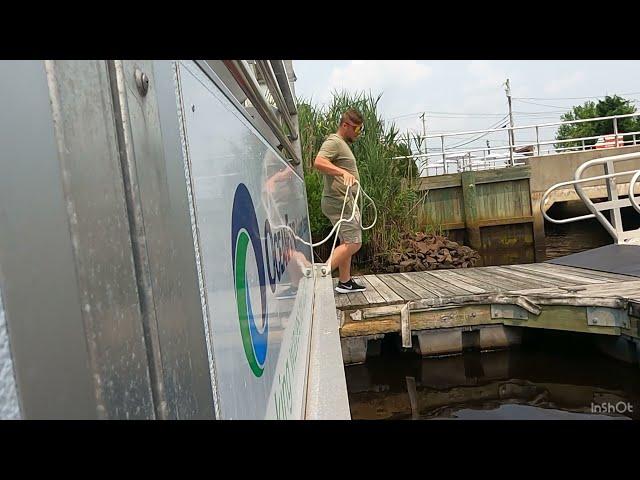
pixel 449 310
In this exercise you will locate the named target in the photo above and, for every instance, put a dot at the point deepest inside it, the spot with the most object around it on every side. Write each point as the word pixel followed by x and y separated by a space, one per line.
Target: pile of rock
pixel 425 251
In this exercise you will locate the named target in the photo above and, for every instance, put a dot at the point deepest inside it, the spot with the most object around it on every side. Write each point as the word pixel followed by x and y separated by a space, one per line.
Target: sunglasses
pixel 356 128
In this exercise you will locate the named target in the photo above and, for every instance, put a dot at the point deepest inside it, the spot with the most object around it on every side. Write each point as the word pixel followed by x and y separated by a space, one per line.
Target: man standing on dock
pixel 338 165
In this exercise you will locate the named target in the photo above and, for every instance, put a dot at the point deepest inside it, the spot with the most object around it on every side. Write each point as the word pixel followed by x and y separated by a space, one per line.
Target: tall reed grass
pixel 390 183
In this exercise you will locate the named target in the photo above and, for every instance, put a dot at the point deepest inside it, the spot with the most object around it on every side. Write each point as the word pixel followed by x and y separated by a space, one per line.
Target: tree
pixel 614 105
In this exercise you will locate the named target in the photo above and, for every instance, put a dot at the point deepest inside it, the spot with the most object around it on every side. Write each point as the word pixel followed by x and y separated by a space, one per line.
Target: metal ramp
pixel 621 259
pixel 623 256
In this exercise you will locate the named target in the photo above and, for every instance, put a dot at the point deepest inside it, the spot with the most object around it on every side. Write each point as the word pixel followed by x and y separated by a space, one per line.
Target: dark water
pixel 550 376
pixel 571 238
pixel 565 239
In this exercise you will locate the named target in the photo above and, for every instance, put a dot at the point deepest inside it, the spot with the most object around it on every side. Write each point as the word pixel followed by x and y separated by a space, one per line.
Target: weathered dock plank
pixel 371 294
pixel 436 285
pixel 535 277
pixel 461 280
pixel 389 296
pixel 399 288
pixel 492 278
pixel 596 273
pixel 414 286
pixel 557 274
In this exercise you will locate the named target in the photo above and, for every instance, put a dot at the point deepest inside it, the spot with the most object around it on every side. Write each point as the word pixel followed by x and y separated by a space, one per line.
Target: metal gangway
pixel 614 203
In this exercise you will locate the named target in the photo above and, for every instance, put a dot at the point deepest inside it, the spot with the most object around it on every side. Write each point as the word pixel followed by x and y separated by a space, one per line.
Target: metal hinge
pixel 607 317
pixel 509 311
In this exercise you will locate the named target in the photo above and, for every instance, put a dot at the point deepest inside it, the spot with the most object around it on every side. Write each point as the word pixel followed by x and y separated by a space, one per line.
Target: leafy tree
pixel 614 105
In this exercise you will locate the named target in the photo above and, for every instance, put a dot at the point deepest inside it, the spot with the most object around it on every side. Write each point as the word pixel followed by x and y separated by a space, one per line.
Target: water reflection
pixel 566 239
pixel 524 383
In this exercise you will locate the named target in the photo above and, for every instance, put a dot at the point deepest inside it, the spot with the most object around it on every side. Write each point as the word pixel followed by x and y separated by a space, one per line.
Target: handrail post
pixel 444 160
pixel 538 140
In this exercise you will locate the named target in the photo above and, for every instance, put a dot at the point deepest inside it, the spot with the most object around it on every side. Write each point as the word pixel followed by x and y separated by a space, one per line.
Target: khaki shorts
pixel 349 232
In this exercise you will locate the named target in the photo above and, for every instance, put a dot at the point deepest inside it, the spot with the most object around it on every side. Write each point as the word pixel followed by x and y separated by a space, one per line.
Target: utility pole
pixel 424 139
pixel 507 89
pixel 488 148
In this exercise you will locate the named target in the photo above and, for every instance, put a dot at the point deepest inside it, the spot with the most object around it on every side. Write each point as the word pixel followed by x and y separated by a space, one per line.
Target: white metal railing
pixel 446 156
pixel 613 203
pixel 245 76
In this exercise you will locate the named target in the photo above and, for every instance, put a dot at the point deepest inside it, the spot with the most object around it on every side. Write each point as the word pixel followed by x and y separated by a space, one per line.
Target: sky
pixel 470 95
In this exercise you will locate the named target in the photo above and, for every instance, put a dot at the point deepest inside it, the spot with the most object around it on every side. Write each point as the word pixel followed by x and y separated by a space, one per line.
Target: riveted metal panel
pixel 152 153
pixel 70 288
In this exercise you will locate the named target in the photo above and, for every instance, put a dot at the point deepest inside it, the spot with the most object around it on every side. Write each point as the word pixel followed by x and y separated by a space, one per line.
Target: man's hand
pixel 348 179
pixel 327 167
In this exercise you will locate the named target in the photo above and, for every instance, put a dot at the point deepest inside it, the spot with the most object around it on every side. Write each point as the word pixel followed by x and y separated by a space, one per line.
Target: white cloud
pixel 485 76
pixel 378 75
pixel 563 84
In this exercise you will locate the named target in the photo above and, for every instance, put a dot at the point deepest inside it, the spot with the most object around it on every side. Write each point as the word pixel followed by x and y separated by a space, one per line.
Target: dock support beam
pixel 450 341
pixel 354 349
pixel 472 226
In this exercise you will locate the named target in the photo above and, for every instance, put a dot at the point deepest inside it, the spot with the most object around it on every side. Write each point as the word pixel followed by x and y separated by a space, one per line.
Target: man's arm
pixel 329 168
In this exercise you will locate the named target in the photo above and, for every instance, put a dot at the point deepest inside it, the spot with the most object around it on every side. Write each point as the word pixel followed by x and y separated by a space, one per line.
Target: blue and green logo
pixel 245 233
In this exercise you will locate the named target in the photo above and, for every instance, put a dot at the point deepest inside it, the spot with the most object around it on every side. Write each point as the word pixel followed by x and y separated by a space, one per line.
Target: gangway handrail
pixel 575 182
pixel 596 209
pixel 265 69
pixel 241 73
pixel 632 196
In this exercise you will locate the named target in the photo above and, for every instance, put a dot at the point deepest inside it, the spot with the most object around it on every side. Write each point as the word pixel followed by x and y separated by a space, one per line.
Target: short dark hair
pixel 352 115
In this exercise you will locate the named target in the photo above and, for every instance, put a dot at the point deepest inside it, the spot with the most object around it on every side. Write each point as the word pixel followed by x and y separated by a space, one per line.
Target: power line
pixel 485 115
pixel 435 114
pixel 482 135
pixel 573 98
pixel 453 131
pixel 534 103
pixel 540 114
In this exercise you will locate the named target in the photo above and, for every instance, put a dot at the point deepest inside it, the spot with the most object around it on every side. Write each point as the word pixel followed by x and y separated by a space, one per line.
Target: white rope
pixel 336 227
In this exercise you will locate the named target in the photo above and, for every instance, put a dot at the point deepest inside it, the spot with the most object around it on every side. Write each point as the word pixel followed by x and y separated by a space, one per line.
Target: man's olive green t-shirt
pixel 338 152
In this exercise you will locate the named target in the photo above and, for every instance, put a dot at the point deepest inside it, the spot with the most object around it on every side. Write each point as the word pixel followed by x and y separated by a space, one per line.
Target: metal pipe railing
pixel 507 147
pixel 538 144
pixel 619 235
pixel 632 191
pixel 269 77
pixel 242 74
pixel 280 72
pixel 551 124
